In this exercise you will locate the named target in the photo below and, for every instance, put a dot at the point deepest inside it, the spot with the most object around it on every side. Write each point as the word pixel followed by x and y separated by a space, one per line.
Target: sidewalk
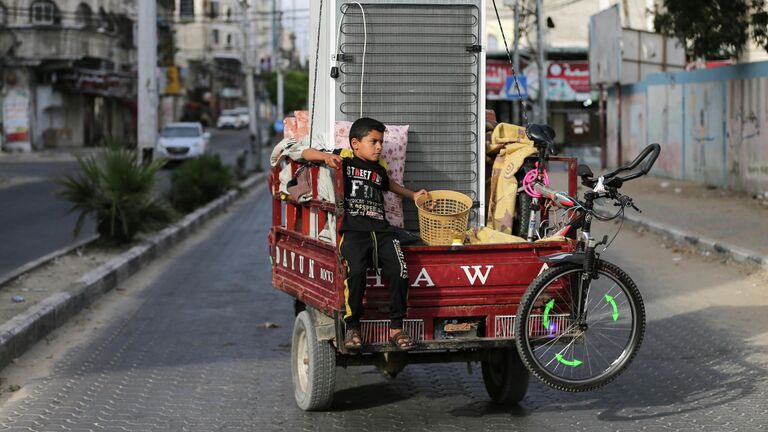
pixel 730 223
pixel 49 155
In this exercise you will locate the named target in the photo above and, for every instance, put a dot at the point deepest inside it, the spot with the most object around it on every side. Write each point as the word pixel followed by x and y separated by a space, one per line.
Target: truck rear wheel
pixel 505 376
pixel 313 366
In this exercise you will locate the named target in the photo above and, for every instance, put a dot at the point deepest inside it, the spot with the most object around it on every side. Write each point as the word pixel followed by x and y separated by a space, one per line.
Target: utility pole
pixel 542 62
pixel 147 88
pixel 516 61
pixel 277 60
pixel 250 86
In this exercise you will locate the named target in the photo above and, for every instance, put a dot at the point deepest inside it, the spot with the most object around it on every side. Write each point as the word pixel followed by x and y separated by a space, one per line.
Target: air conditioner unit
pixel 424 67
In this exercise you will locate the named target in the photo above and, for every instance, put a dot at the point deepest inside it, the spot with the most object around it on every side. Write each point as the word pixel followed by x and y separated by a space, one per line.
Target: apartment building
pixel 211 41
pixel 67 71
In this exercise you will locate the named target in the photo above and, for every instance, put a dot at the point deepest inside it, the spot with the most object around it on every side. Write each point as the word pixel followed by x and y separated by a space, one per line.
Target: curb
pixel 13 274
pixel 27 328
pixel 704 244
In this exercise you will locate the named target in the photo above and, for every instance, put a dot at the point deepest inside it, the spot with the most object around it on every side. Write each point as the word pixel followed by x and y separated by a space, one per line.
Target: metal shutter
pixel 419 71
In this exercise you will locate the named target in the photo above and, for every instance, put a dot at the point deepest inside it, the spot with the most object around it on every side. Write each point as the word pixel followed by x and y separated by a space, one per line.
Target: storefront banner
pixel 568 81
pixel 496 74
pixel 16 116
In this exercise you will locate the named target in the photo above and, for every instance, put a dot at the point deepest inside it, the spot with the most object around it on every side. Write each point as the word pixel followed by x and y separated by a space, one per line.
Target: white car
pixel 182 141
pixel 230 119
pixel 245 118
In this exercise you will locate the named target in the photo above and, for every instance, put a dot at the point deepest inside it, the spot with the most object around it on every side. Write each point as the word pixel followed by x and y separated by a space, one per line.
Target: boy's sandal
pixel 353 341
pixel 402 340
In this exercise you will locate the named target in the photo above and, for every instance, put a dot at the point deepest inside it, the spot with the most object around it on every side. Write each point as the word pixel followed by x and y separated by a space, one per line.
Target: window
pixel 187 9
pixel 213 11
pixel 215 36
pixel 229 40
pixel 44 12
pixel 83 16
pixel 3 14
pixel 105 22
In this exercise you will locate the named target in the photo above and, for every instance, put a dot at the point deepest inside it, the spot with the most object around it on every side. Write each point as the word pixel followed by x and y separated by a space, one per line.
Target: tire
pixel 523 203
pixel 572 356
pixel 313 366
pixel 505 377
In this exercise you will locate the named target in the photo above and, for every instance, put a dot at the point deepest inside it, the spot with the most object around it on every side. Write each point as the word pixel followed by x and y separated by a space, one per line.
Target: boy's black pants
pixel 357 248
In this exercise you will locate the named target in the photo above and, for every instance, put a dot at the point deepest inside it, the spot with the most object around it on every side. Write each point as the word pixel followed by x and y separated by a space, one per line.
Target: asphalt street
pixel 35 222
pixel 183 347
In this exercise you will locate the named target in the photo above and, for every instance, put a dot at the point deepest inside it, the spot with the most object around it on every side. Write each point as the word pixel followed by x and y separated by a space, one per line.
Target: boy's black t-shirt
pixel 364 186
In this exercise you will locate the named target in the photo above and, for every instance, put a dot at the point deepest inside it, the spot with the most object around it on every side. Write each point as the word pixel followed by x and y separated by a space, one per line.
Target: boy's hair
pixel 362 126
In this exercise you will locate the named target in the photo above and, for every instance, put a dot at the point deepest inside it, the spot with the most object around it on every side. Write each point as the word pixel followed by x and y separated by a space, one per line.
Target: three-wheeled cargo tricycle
pixel 553 308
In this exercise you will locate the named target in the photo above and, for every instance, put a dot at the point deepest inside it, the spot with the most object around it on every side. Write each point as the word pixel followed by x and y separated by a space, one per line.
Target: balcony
pixel 36 44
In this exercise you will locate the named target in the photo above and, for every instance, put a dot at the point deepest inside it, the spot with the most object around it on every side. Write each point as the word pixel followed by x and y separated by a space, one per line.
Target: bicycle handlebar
pixel 647 163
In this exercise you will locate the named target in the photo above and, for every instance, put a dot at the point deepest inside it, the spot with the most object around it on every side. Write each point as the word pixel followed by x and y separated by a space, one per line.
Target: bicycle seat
pixel 541 135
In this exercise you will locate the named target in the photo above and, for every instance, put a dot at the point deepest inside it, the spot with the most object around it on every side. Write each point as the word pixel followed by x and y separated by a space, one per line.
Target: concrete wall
pixel 711 125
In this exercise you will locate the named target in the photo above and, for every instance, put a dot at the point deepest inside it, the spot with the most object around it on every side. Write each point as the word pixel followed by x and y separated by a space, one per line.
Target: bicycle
pixel 581 322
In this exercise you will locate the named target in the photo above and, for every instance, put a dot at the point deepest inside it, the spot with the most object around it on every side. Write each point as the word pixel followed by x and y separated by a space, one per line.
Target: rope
pixel 314 83
pixel 512 64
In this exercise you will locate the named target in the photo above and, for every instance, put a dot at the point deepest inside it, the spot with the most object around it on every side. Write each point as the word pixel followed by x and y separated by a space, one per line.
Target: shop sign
pixel 231 92
pixel 172 81
pixel 568 81
pixel 496 73
pixel 16 116
pixel 95 82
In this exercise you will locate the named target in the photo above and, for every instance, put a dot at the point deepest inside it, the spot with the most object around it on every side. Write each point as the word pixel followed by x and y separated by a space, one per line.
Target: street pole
pixel 147 88
pixel 277 61
pixel 250 87
pixel 516 62
pixel 542 60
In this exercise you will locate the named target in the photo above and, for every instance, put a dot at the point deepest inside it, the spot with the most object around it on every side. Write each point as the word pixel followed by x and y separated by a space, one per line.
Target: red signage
pixel 496 73
pixel 568 79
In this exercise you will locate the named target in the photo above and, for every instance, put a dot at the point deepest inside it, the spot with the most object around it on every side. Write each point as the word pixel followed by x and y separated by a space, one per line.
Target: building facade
pixel 68 72
pixel 211 39
pixel 572 103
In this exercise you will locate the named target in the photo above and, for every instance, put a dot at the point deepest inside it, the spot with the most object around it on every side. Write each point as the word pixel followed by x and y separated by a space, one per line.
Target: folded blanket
pixel 292 149
pixel 501 207
pixel 485 235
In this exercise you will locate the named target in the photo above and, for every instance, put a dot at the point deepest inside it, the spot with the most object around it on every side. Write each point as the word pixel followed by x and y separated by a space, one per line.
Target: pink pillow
pixel 289 127
pixel 395 143
pixel 302 124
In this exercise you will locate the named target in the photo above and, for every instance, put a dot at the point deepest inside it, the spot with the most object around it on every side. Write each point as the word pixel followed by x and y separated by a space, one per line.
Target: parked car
pixel 182 140
pixel 245 118
pixel 230 119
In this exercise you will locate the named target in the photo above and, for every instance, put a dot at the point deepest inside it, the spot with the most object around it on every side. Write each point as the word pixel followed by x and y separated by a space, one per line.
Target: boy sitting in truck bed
pixel 365 231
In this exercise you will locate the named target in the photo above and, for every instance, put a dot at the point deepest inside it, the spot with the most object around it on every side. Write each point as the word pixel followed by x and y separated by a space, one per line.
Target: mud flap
pixel 560 258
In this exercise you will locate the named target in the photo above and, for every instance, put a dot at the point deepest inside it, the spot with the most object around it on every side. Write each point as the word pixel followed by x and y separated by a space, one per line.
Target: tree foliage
pixel 119 190
pixel 198 181
pixel 296 87
pixel 714 28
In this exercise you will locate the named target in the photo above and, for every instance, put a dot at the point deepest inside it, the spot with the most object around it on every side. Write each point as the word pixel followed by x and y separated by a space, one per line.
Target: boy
pixel 365 231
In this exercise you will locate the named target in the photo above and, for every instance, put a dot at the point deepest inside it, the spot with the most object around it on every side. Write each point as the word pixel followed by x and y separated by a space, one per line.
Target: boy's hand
pixel 332 160
pixel 430 205
pixel 417 194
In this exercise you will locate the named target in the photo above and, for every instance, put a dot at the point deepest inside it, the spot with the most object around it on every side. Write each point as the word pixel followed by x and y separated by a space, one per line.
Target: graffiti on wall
pixel 709 123
pixel 747 158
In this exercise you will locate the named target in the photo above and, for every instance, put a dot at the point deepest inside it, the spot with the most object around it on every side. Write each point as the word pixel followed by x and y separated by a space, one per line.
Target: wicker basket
pixel 443 216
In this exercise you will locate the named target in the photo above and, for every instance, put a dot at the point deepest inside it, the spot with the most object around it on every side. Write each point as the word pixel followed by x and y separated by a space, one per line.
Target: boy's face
pixel 369 148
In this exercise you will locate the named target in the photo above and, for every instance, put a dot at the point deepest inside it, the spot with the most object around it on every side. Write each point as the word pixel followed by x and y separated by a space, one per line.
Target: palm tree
pixel 118 189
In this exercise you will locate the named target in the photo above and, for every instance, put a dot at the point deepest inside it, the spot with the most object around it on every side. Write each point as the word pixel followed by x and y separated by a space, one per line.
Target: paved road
pixel 34 221
pixel 180 349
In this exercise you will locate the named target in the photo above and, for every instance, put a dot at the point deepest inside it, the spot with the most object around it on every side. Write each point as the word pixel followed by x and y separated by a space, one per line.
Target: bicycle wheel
pixel 573 353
